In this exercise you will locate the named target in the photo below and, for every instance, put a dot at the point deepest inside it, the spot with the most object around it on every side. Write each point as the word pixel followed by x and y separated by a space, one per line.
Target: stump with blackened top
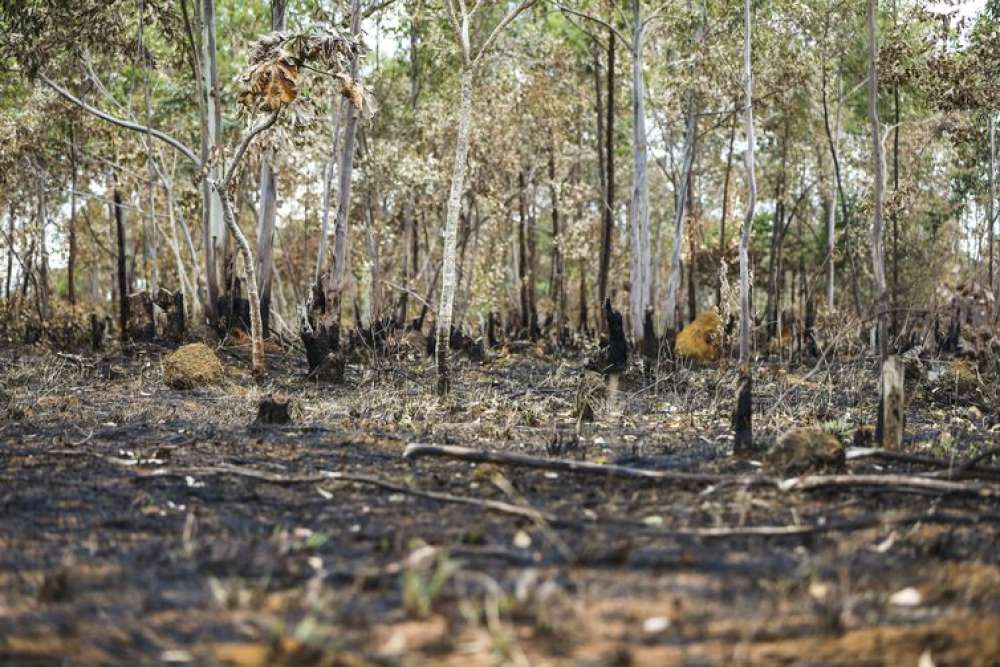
pixel 274 410
pixel 617 352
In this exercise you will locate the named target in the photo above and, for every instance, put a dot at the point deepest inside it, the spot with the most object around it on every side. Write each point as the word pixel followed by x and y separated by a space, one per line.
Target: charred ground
pixel 144 524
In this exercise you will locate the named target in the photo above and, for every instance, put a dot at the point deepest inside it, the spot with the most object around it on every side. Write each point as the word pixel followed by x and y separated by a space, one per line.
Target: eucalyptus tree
pixel 270 86
pixel 743 415
pixel 461 16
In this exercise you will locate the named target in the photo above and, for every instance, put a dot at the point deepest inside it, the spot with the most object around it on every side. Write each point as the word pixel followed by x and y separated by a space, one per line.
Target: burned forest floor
pixel 145 525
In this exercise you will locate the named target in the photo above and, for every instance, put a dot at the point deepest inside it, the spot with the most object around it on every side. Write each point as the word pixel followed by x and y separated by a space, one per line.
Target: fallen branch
pixel 888 483
pixel 418 450
pixel 531 514
pixel 951 469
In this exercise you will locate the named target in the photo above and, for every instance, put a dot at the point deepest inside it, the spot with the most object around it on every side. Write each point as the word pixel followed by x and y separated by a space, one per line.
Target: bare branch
pixel 568 10
pixel 511 15
pixel 244 144
pixel 136 127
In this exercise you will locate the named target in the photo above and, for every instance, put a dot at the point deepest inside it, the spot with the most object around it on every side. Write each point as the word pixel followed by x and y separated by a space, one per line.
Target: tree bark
pixel 607 229
pixel 10 253
pixel 558 283
pixel 211 143
pixel 833 143
pixel 447 299
pixel 267 206
pixel 743 416
pixel 878 253
pixel 991 204
pixel 639 203
pixel 725 209
pixel 337 283
pixel 71 260
pixel 674 277
pixel 122 279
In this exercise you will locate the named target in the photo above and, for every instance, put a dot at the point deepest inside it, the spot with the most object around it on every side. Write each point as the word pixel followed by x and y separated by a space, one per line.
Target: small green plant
pixel 422 587
pixel 838 427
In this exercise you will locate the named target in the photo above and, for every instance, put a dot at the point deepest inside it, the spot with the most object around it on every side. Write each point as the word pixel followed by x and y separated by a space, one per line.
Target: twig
pixel 418 450
pixel 888 483
pixel 970 467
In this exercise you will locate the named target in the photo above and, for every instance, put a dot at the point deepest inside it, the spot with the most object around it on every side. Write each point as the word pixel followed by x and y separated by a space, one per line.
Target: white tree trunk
pixel 340 245
pixel 639 203
pixel 674 278
pixel 256 325
pixel 446 301
pixel 268 194
pixel 878 253
pixel 745 314
pixel 328 174
pixel 214 225
pixel 991 205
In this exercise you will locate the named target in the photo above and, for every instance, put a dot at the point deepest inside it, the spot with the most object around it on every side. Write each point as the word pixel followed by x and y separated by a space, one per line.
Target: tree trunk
pixel 639 203
pixel 267 206
pixel 725 210
pixel 10 253
pixel 878 254
pixel 71 260
pixel 522 254
pixel 122 279
pixel 743 416
pixel 833 143
pixel 335 289
pixel 775 270
pixel 447 299
pixel 990 208
pixel 557 285
pixel 607 229
pixel 674 277
pixel 253 296
pixel 42 287
pixel 211 142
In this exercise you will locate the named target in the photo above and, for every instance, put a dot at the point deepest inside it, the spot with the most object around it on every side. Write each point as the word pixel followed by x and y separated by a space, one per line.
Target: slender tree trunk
pixel 558 284
pixel 447 300
pixel 681 198
pixel 743 416
pixel 774 265
pixel 328 175
pixel 267 207
pixel 522 253
pixel 692 252
pixel 123 314
pixel 878 254
pixel 71 260
pixel 253 297
pixel 639 203
pixel 725 209
pixel 10 253
pixel 214 225
pixel 607 230
pixel 834 149
pixel 42 286
pixel 346 170
pixel 990 208
pixel 150 233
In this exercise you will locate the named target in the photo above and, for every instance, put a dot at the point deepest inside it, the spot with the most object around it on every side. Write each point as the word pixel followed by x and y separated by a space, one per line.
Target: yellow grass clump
pixel 702 339
pixel 191 366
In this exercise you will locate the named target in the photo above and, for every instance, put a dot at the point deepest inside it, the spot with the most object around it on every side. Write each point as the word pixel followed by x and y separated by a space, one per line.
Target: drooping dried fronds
pixel 276 60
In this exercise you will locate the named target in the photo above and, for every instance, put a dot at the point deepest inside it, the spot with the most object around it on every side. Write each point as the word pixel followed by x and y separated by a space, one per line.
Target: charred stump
pixel 617 351
pixel 743 415
pixel 274 410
